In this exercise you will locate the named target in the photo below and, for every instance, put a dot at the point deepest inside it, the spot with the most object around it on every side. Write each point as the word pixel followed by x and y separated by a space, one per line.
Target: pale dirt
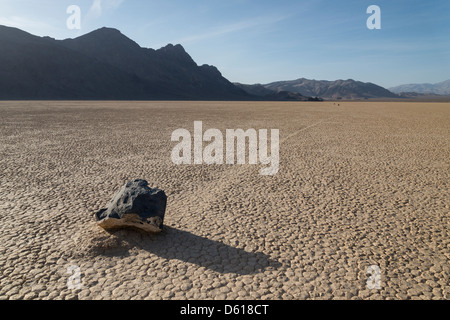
pixel 359 185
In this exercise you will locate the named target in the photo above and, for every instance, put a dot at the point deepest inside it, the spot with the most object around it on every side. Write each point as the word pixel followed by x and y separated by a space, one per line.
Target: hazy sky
pixel 259 41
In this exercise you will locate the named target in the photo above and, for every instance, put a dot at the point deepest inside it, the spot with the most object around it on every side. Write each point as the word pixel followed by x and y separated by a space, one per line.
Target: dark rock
pixel 135 205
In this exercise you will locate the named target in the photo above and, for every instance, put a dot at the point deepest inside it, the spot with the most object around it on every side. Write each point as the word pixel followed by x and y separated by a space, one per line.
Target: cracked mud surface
pixel 359 185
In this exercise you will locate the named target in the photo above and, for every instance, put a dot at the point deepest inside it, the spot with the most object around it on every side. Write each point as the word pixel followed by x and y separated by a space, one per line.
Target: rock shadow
pixel 182 245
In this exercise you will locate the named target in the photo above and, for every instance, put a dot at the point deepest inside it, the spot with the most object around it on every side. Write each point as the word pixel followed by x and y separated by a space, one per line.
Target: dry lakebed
pixel 359 207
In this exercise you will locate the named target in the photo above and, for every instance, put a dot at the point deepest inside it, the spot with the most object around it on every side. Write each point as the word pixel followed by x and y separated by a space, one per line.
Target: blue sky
pixel 259 41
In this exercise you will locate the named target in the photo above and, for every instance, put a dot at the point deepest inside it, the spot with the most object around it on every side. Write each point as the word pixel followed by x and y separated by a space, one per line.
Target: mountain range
pixel 442 88
pixel 330 90
pixel 106 65
pixel 267 94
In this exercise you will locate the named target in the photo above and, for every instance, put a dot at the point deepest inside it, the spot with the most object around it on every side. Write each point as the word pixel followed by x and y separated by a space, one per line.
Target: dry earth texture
pixel 361 184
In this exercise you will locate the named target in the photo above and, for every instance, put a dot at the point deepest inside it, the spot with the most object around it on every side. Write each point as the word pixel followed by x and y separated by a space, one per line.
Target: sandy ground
pixel 359 185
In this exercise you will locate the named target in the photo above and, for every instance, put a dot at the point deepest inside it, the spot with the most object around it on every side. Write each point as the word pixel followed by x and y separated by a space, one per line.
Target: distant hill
pixel 441 88
pixel 334 90
pixel 104 65
pixel 273 95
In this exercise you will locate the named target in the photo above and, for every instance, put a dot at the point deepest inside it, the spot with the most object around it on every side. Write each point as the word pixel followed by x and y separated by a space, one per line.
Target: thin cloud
pixel 95 11
pixel 230 28
pixel 99 8
pixel 112 4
